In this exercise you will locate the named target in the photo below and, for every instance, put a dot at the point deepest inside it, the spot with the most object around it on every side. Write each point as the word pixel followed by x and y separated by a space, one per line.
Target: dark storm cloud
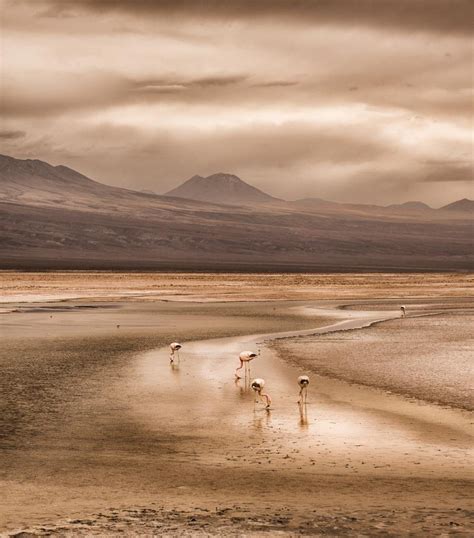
pixel 276 84
pixel 447 171
pixel 178 85
pixel 68 92
pixel 408 15
pixel 12 135
pixel 369 100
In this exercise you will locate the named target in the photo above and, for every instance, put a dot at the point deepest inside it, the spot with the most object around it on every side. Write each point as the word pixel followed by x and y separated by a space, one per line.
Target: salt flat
pixel 102 435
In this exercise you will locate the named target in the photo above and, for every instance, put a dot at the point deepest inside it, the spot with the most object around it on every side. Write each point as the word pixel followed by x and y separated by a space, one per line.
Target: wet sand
pixel 109 438
pixel 427 355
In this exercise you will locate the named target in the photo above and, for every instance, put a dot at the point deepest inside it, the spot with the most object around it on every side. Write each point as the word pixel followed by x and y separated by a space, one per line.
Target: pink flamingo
pixel 257 385
pixel 245 358
pixel 174 348
pixel 303 382
pixel 403 311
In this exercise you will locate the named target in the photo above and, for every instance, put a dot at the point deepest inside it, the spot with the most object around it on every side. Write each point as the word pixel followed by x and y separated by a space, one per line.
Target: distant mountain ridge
pixel 464 205
pixel 416 205
pixel 220 188
pixel 28 179
pixel 229 189
pixel 54 217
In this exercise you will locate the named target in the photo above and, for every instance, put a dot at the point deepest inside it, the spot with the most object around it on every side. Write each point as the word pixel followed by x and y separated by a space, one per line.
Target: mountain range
pixel 229 189
pixel 55 217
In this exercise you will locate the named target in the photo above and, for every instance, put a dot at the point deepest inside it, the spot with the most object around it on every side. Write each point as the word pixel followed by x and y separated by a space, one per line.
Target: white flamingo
pixel 403 311
pixel 303 382
pixel 245 357
pixel 174 348
pixel 257 385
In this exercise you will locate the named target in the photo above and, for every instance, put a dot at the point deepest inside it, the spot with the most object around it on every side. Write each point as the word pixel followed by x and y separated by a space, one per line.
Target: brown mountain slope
pixel 221 189
pixel 58 218
pixel 463 206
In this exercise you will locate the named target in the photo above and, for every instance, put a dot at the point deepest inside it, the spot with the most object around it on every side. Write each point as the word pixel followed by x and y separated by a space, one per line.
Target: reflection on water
pixel 96 401
pixel 261 418
pixel 174 368
pixel 243 385
pixel 303 423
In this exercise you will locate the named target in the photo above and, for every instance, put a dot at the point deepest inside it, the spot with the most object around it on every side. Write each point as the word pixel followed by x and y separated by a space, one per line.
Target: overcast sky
pixel 349 100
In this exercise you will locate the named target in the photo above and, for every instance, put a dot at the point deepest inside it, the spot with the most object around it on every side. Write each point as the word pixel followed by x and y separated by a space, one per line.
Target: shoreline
pixel 134 445
pixel 184 514
pixel 283 347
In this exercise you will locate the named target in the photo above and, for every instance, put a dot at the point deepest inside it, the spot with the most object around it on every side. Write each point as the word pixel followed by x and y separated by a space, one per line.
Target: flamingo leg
pixel 268 400
pixel 239 368
pixel 300 399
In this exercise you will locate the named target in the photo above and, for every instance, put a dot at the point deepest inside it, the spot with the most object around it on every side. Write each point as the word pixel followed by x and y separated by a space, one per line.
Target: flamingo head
pixel 258 384
pixel 303 380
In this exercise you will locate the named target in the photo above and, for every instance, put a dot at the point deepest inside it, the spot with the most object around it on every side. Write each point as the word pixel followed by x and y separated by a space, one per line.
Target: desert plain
pixel 102 435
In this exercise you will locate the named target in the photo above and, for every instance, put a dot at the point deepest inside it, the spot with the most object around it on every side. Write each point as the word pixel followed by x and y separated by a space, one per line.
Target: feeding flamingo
pixel 403 311
pixel 257 385
pixel 245 358
pixel 174 348
pixel 303 382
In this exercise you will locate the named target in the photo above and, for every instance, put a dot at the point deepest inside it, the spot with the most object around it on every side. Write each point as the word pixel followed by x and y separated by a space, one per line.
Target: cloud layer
pixel 363 101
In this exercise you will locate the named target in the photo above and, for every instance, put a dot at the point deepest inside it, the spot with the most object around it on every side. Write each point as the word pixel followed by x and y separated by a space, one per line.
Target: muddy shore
pixel 424 357
pixel 103 436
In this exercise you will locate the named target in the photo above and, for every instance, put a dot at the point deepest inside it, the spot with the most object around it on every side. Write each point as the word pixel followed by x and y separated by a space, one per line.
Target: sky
pixel 366 101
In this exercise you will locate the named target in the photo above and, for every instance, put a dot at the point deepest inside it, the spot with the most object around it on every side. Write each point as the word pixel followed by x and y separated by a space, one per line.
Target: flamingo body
pixel 257 385
pixel 303 382
pixel 174 348
pixel 245 357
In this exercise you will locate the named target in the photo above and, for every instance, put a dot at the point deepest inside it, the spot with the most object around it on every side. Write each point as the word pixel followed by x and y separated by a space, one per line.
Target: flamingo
pixel 303 382
pixel 174 348
pixel 245 357
pixel 257 385
pixel 403 311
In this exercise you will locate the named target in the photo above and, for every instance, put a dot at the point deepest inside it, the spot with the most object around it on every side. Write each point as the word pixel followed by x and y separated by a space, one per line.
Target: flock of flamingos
pixel 258 383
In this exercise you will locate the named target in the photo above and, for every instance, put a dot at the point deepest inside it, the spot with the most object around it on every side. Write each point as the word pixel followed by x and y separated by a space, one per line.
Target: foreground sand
pixel 102 436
